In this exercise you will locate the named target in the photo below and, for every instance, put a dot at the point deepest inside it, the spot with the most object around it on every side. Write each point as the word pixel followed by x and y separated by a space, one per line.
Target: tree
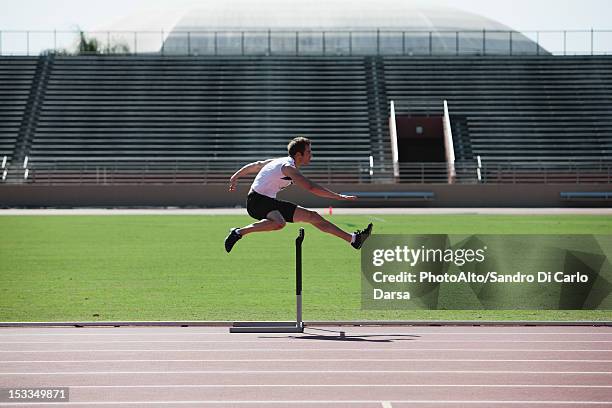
pixel 88 45
pixel 92 45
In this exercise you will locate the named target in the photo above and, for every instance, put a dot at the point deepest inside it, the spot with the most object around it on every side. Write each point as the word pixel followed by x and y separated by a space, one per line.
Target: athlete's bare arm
pixel 248 169
pixel 302 181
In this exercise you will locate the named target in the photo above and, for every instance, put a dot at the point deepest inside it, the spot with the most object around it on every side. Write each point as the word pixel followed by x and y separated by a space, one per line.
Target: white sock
pixel 353 237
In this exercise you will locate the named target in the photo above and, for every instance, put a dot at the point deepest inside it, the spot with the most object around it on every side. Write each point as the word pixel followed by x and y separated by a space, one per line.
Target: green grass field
pixel 96 268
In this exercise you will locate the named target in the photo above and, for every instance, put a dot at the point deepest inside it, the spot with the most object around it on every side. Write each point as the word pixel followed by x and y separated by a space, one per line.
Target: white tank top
pixel 270 179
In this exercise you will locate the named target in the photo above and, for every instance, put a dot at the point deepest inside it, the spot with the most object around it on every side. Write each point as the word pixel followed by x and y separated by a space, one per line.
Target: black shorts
pixel 258 206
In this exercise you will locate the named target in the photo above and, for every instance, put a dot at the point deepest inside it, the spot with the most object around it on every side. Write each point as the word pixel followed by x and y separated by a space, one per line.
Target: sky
pixel 526 16
pixel 90 15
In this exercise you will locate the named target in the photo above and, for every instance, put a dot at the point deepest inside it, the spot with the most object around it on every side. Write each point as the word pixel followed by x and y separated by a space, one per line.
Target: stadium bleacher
pixel 16 79
pixel 513 109
pixel 68 113
pixel 178 108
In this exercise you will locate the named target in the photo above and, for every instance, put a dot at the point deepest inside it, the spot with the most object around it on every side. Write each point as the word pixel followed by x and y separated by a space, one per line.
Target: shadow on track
pixel 337 335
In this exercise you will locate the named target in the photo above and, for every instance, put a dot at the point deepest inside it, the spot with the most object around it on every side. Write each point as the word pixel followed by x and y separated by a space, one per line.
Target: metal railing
pixel 570 173
pixel 507 173
pixel 179 172
pixel 328 172
pixel 313 42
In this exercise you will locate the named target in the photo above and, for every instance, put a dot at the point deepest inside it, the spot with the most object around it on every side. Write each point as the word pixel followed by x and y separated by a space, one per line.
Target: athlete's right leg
pixel 312 217
pixel 273 221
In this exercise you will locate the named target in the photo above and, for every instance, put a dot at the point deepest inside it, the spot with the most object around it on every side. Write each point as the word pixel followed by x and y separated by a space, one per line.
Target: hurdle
pixel 281 327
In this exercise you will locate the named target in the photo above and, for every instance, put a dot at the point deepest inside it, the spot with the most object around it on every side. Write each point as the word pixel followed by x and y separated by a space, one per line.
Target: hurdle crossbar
pixel 296 326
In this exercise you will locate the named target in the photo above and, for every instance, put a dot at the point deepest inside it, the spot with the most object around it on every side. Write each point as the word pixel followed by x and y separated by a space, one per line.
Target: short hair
pixel 297 145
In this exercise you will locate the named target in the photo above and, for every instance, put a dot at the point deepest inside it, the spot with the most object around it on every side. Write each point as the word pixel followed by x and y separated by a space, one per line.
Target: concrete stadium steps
pixel 130 108
pixel 190 107
pixel 16 76
pixel 516 108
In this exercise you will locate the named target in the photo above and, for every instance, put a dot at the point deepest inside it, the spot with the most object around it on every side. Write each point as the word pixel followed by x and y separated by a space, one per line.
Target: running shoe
pixel 361 236
pixel 231 239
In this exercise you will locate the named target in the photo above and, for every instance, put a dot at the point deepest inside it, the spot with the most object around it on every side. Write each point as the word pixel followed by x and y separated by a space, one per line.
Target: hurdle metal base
pixel 267 327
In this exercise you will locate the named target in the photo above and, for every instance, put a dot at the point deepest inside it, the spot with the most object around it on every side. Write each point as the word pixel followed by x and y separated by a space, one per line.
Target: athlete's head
pixel 299 149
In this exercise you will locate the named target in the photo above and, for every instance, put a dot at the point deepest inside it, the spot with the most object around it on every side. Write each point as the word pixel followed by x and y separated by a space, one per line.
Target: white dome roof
pixel 331 14
pixel 231 18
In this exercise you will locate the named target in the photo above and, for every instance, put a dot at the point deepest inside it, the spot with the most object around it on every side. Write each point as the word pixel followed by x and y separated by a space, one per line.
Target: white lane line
pixel 604 331
pixel 339 211
pixel 340 386
pixel 294 339
pixel 305 360
pixel 328 402
pixel 281 349
pixel 275 372
pixel 386 404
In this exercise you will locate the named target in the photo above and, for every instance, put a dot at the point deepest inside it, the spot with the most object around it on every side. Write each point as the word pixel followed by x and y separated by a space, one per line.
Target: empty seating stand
pixel 189 108
pixel 513 109
pixel 16 74
pixel 101 111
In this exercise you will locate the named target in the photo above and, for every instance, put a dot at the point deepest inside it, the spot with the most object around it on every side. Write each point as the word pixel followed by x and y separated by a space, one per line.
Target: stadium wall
pixel 210 196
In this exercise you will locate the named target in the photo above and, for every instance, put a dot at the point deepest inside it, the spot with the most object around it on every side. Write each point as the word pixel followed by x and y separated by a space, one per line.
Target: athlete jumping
pixel 273 175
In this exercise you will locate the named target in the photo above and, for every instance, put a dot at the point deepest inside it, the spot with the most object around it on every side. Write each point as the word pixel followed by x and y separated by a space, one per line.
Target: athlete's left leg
pixel 274 221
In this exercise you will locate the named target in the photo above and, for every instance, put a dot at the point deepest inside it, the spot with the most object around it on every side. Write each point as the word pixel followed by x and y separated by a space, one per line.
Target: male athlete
pixel 273 175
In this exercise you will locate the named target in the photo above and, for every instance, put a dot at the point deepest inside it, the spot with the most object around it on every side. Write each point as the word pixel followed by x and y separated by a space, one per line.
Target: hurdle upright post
pixel 298 278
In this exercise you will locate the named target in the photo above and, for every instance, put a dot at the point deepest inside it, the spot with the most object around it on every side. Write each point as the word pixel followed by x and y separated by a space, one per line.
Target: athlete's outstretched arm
pixel 247 169
pixel 309 185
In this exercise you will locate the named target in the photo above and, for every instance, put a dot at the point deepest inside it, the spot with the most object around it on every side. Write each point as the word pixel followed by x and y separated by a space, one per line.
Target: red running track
pixel 369 367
